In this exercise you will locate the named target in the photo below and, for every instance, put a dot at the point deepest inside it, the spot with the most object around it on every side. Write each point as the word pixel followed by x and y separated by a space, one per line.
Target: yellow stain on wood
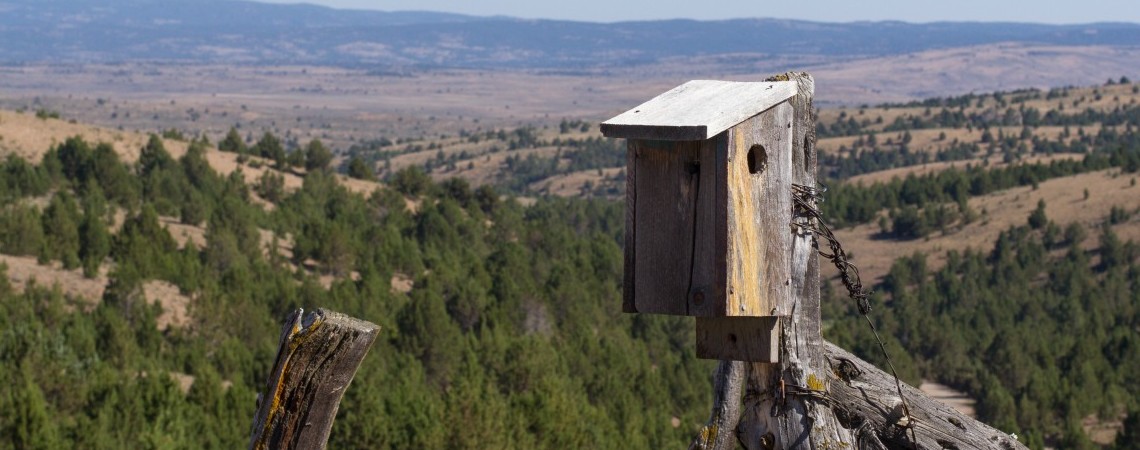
pixel 824 443
pixel 815 383
pixel 745 274
pixel 706 436
pixel 297 336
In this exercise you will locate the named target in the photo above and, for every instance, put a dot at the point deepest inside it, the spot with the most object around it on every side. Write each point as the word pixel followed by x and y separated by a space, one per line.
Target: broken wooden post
pixel 709 202
pixel 711 232
pixel 819 396
pixel 317 358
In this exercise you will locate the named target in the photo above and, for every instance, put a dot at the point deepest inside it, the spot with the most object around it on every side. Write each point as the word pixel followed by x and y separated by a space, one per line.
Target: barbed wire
pixel 804 205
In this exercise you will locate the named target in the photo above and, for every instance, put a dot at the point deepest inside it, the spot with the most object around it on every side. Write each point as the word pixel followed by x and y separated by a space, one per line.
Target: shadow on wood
pixel 317 358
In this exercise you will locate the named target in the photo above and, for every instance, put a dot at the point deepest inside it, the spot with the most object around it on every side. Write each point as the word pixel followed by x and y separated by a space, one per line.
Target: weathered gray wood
pixel 868 403
pixel 706 293
pixel 754 339
pixel 719 431
pixel 860 404
pixel 706 237
pixel 801 422
pixel 672 235
pixel 819 396
pixel 759 209
pixel 317 358
pixel 697 110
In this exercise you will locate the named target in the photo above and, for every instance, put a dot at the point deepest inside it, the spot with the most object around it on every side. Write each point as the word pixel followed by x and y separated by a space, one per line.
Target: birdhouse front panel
pixel 709 200
pixel 758 214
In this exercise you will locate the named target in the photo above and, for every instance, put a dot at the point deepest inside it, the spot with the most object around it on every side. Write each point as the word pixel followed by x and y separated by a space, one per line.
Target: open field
pixel 346 106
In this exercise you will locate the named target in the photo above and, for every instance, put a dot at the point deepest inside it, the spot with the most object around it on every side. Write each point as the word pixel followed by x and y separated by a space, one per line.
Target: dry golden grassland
pixel 30 137
pixel 1064 197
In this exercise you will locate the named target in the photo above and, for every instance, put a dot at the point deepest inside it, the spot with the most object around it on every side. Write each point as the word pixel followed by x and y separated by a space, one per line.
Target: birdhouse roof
pixel 698 110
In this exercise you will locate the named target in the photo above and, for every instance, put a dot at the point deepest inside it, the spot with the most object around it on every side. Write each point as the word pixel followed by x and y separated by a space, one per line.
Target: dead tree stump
pixel 316 360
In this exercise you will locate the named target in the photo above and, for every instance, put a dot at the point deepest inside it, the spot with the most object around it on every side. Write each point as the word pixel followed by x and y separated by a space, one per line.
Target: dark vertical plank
pixel 628 293
pixel 722 245
pixel 316 360
pixel 706 296
pixel 665 219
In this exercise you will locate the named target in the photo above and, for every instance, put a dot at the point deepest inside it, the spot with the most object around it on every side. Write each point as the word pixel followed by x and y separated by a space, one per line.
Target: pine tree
pixel 61 230
pixel 232 143
pixel 94 239
pixel 317 157
pixel 1129 437
pixel 154 156
pixel 360 170
pixel 1037 218
pixel 270 147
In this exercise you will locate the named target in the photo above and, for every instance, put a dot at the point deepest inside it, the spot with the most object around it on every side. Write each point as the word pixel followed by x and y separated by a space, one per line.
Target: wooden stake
pixel 317 358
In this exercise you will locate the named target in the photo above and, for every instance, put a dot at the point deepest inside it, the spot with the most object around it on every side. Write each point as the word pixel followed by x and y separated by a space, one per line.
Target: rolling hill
pixel 988 223
pixel 233 31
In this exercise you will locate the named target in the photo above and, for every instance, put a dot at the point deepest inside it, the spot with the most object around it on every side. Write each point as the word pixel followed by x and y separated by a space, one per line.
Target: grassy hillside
pixel 495 316
pixel 146 275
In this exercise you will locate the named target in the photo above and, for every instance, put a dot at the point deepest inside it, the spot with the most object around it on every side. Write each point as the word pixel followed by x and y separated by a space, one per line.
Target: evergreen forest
pixel 501 318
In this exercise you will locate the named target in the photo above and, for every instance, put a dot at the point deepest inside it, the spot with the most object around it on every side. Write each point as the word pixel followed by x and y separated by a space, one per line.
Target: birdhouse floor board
pixel 754 339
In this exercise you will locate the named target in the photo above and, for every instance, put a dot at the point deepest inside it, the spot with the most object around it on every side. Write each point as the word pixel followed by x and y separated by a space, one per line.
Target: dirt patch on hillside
pixel 183 233
pixel 1100 431
pixel 402 283
pixel 950 397
pixel 175 306
pixel 23 270
pixel 576 183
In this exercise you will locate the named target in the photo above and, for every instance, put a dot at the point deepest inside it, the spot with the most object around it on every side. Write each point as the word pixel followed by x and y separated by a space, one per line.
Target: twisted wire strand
pixel 804 201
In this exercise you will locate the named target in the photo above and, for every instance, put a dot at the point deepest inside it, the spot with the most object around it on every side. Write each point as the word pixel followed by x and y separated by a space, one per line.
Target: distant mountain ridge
pixel 59 31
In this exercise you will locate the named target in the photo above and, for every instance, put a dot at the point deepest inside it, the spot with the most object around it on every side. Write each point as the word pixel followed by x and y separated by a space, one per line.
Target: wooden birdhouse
pixel 708 211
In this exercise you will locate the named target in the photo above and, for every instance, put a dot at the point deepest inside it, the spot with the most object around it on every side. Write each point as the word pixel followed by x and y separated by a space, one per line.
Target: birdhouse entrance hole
pixel 757 159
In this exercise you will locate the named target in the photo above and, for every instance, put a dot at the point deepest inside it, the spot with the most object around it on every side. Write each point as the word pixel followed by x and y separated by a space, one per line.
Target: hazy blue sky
pixel 1045 11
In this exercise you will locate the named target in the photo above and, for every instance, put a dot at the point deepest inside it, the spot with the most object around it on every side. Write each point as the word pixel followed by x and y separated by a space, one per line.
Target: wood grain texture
pixel 869 405
pixel 697 110
pixel 317 358
pixel 759 210
pixel 818 396
pixel 628 305
pixel 801 422
pixel 673 236
pixel 754 339
pixel 718 431
pixel 706 295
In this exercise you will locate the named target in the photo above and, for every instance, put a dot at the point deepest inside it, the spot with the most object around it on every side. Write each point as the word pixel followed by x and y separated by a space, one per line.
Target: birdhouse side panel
pixel 759 209
pixel 673 232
